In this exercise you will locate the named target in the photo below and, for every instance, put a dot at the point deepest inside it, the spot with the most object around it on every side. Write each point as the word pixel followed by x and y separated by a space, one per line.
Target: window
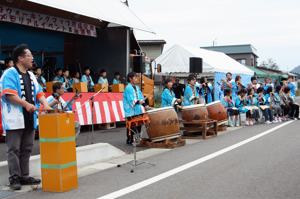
pixel 242 61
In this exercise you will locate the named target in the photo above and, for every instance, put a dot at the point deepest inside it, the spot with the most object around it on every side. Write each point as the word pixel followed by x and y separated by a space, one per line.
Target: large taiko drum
pixel 194 112
pixel 216 111
pixel 163 123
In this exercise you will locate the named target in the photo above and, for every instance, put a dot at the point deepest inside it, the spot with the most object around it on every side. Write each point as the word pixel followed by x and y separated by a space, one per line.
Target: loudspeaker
pixel 196 65
pixel 138 64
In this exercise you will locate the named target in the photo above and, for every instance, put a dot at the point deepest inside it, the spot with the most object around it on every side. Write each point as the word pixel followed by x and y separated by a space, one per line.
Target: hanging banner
pixel 43 21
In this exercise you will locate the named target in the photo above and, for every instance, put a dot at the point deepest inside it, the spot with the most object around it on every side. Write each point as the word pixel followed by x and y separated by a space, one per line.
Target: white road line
pixel 189 165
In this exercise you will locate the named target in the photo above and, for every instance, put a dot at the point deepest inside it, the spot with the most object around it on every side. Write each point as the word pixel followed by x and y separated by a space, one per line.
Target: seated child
pixel 232 112
pixel 293 106
pixel 263 102
pixel 241 104
pixel 252 106
pixel 275 103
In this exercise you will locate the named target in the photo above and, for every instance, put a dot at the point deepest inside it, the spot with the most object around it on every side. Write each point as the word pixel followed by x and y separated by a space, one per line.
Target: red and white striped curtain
pixel 108 107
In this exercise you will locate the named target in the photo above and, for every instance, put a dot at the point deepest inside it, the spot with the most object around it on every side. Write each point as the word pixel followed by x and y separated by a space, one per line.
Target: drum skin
pixel 194 112
pixel 216 111
pixel 163 123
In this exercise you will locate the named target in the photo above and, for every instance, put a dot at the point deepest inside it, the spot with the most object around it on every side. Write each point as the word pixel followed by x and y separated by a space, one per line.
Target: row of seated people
pixel 63 76
pixel 275 105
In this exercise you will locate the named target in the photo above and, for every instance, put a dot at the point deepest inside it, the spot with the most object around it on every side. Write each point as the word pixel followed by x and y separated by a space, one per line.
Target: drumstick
pixel 90 98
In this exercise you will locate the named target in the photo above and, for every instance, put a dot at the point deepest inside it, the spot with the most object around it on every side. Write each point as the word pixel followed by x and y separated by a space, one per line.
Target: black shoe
pixel 29 181
pixel 129 141
pixel 14 183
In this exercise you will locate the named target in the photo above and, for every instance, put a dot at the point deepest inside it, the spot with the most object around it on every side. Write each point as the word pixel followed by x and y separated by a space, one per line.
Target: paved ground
pixel 265 168
pixel 116 137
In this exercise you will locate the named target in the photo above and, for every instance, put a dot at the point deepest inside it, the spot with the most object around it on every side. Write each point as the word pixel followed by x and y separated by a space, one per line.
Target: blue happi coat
pixel 64 105
pixel 167 98
pixel 116 81
pixel 130 98
pixel 87 79
pixel 252 101
pixel 240 104
pixel 102 80
pixel 235 90
pixel 12 114
pixel 189 95
pixel 227 103
pixel 208 94
pixel 58 79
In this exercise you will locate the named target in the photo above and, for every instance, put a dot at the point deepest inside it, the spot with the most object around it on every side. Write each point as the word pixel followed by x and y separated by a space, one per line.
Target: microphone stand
pixel 90 138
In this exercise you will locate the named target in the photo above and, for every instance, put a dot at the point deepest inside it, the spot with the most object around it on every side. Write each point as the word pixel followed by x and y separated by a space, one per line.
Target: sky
pixel 271 26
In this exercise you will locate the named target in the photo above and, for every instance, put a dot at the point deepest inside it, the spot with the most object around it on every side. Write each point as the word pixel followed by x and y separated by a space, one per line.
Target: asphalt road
pixel 268 167
pixel 116 137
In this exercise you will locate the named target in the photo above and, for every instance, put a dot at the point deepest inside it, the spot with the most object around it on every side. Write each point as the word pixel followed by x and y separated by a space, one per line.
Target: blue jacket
pixel 292 88
pixel 167 98
pixel 65 105
pixel 102 80
pixel 208 94
pixel 189 95
pixel 12 114
pixel 84 78
pixel 240 104
pixel 59 79
pixel 227 103
pixel 116 81
pixel 130 98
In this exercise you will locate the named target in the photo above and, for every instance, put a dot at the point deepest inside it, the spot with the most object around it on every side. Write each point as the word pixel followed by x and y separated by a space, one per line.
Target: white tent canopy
pixel 113 11
pixel 177 59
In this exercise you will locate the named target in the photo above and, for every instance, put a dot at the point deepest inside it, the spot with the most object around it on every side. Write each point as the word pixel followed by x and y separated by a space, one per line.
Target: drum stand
pixel 134 163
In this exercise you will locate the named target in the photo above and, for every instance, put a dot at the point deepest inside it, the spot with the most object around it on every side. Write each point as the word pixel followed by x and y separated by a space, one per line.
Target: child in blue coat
pixel 191 96
pixel 133 103
pixel 241 104
pixel 264 104
pixel 88 79
pixel 232 112
pixel 168 98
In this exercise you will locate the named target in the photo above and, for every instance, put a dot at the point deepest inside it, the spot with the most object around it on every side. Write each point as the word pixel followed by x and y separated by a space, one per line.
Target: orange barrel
pixel 98 87
pixel 164 123
pixel 58 152
pixel 49 86
pixel 80 87
pixel 194 112
pixel 118 88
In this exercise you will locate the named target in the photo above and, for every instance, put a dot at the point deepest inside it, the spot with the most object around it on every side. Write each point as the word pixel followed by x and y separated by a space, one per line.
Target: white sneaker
pixel 279 119
pixel 268 122
pixel 275 121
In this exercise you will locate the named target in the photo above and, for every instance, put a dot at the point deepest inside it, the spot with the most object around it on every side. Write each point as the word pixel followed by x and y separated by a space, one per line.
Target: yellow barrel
pixel 58 152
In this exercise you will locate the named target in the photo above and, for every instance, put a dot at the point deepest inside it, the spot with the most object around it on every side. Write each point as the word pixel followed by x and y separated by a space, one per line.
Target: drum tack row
pixel 198 121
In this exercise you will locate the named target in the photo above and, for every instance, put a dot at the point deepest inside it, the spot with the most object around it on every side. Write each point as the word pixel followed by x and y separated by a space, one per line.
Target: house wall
pixel 251 59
